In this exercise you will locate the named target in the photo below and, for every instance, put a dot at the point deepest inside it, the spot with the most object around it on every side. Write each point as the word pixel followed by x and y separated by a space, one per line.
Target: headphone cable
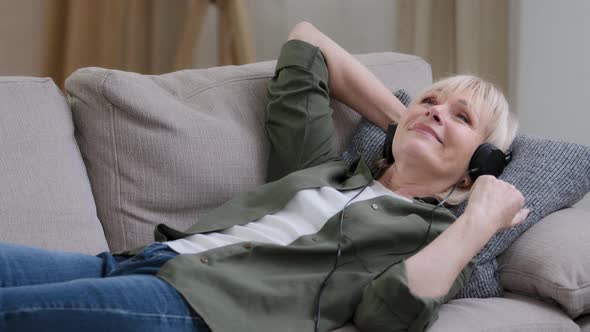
pixel 341 236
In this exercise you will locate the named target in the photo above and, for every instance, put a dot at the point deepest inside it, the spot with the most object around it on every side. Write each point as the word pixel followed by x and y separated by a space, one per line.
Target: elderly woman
pixel 320 244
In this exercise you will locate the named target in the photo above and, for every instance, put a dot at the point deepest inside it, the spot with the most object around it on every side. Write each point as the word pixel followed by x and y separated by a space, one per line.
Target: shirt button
pixel 374 206
pixel 345 215
pixel 247 245
pixel 204 260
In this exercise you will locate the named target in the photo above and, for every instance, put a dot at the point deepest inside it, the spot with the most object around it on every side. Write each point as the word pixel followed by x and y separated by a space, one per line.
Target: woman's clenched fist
pixel 495 204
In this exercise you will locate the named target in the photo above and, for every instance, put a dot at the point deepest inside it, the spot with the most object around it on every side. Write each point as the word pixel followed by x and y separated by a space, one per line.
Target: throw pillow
pixel 556 271
pixel 550 174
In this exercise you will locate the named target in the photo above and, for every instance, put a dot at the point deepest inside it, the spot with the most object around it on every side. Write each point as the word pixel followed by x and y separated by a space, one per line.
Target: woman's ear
pixel 465 182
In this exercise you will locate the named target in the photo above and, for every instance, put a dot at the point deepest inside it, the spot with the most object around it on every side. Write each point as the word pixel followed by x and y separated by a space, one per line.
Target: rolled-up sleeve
pixel 299 121
pixel 389 305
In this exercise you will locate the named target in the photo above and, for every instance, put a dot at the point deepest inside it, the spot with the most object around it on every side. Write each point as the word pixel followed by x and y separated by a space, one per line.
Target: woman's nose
pixel 436 118
pixel 435 113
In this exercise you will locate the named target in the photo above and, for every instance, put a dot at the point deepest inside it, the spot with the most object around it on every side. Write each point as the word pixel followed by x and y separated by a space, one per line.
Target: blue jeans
pixel 42 290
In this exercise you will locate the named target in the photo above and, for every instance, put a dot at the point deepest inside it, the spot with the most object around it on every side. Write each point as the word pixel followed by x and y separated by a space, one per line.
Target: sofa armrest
pixel 550 261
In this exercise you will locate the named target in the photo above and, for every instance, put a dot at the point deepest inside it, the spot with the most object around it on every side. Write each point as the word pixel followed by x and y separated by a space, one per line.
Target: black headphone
pixel 486 160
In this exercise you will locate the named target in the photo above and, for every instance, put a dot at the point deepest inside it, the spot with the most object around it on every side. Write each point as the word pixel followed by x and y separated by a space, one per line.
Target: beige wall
pixel 360 26
pixel 550 69
pixel 24 24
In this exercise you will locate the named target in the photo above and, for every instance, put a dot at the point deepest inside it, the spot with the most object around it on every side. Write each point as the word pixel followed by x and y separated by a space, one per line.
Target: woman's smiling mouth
pixel 427 130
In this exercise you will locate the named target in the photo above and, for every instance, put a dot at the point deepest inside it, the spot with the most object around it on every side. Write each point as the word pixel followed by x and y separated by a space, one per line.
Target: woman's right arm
pixel 350 81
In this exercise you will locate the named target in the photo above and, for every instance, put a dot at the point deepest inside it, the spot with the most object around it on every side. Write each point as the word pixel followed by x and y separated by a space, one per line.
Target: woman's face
pixel 439 133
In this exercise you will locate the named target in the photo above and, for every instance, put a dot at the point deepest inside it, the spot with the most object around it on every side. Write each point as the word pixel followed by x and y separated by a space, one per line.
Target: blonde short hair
pixel 485 97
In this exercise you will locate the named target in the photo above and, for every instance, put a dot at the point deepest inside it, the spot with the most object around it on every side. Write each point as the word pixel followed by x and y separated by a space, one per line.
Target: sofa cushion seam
pixel 115 152
pixel 544 280
pixel 267 76
pixel 39 81
pixel 222 83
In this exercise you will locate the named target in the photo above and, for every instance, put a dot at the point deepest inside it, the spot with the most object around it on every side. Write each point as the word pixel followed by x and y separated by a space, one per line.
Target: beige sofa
pixel 97 168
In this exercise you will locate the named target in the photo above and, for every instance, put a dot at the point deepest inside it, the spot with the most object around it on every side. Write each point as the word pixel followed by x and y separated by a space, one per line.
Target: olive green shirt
pixel 265 287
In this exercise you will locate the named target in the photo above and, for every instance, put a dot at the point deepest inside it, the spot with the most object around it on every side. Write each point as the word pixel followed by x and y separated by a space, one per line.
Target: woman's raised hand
pixel 495 204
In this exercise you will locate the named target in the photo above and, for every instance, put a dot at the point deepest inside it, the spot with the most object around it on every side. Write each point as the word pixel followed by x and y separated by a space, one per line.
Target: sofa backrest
pixel 168 148
pixel 45 195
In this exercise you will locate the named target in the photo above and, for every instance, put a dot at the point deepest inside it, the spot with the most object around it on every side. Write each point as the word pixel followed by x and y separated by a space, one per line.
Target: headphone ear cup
pixel 488 160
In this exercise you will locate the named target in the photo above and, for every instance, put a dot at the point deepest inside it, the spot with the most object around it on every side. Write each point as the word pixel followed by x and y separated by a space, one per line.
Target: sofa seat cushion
pixel 46 200
pixel 512 313
pixel 169 148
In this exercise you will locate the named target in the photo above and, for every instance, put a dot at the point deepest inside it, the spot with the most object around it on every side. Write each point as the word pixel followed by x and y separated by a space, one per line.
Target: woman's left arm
pixel 494 205
pixel 408 295
pixel 350 81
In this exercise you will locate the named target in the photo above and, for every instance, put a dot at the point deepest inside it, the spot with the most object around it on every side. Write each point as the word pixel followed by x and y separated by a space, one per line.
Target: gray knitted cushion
pixel 550 174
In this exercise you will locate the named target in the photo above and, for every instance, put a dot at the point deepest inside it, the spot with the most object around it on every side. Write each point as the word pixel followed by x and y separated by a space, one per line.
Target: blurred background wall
pixel 549 69
pixel 535 50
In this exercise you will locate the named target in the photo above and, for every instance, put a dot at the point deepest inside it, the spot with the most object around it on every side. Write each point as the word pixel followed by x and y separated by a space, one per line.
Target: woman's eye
pixel 463 117
pixel 428 100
